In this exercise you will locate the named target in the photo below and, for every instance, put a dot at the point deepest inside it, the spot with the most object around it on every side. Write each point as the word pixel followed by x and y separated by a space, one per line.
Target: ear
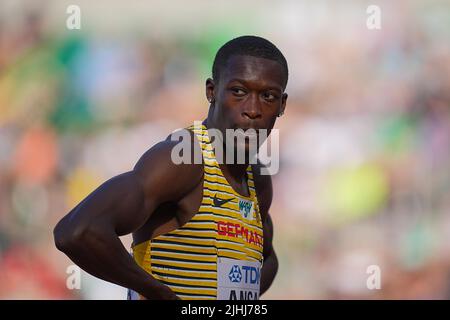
pixel 210 86
pixel 283 103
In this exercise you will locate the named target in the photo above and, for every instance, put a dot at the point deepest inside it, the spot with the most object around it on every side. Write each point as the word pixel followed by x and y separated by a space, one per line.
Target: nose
pixel 252 109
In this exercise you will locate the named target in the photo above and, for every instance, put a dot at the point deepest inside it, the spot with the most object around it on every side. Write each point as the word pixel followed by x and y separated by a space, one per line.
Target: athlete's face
pixel 249 95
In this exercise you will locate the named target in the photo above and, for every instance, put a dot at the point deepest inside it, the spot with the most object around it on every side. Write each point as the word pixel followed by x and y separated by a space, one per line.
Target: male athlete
pixel 200 230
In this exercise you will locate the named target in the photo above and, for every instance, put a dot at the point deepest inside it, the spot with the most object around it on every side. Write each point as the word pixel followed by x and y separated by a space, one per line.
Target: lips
pixel 246 127
pixel 247 133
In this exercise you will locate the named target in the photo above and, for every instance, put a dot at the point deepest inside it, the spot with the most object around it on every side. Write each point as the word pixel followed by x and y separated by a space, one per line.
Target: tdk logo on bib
pixel 251 274
pixel 246 209
pixel 238 279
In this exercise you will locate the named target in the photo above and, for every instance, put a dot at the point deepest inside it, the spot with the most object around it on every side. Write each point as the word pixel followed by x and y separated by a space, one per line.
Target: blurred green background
pixel 365 140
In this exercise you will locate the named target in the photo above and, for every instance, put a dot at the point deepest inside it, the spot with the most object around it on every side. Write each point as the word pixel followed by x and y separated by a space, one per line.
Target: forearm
pixel 268 272
pixel 101 253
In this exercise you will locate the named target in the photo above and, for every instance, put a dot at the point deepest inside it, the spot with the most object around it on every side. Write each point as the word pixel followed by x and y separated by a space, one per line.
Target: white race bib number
pixel 238 279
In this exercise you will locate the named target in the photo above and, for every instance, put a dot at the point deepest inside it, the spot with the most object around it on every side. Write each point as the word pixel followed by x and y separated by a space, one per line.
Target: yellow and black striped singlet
pixel 218 254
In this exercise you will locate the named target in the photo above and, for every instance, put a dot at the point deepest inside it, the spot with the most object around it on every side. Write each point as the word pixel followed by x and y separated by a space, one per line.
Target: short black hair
pixel 248 46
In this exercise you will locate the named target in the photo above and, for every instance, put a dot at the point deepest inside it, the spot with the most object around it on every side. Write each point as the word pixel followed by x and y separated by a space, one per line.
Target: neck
pixel 236 171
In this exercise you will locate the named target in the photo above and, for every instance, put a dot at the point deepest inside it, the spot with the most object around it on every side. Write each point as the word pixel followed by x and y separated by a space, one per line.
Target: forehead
pixel 255 70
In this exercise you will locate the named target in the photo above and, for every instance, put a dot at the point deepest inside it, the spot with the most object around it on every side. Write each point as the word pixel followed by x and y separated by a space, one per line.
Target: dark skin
pixel 249 94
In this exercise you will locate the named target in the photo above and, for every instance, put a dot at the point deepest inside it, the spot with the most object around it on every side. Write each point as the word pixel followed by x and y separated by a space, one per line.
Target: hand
pixel 160 292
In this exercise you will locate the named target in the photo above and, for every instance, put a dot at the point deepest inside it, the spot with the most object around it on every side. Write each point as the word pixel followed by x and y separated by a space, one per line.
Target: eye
pixel 239 92
pixel 270 96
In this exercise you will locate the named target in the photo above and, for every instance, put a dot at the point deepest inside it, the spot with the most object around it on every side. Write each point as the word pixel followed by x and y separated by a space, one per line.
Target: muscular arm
pixel 265 193
pixel 270 266
pixel 89 233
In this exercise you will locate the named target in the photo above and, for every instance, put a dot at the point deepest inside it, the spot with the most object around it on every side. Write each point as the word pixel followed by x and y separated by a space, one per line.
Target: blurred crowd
pixel 364 143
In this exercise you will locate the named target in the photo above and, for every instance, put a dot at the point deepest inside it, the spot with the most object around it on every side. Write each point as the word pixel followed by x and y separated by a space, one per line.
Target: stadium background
pixel 365 140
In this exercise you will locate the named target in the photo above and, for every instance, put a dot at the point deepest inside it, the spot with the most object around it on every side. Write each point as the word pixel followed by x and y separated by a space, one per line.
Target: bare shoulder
pixel 160 172
pixel 264 189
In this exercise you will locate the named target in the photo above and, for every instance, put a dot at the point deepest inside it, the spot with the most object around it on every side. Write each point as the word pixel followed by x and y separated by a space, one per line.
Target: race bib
pixel 238 279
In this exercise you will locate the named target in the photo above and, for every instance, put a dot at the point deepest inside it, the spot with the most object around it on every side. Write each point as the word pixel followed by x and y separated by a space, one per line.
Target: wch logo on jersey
pixel 246 209
pixel 251 274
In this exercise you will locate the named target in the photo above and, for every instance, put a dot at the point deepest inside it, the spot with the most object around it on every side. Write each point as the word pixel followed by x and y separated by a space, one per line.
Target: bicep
pixel 118 203
pixel 125 203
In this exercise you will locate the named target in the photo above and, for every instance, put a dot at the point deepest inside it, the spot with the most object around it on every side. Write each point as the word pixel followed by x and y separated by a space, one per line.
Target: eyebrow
pixel 276 88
